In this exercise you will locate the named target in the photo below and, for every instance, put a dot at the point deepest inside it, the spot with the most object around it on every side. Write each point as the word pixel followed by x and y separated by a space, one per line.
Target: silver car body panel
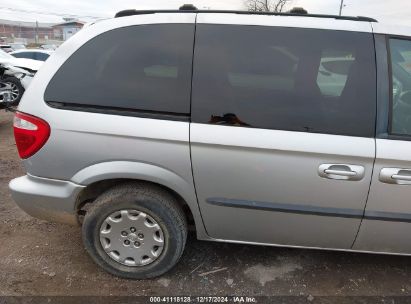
pixel 45 198
pixel 263 186
pixel 112 147
pixel 390 201
pixel 313 248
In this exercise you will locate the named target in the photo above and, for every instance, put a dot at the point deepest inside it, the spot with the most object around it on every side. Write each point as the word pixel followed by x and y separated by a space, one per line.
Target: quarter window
pixel 305 80
pixel 401 86
pixel 145 67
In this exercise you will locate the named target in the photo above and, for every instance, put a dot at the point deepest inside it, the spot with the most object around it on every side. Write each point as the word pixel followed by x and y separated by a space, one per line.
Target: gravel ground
pixel 41 258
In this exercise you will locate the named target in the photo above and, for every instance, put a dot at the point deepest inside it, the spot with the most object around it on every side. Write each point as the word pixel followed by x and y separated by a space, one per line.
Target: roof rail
pixel 188 8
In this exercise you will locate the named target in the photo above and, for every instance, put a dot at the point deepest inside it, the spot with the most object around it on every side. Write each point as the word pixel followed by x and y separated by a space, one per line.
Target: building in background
pixel 38 32
pixel 67 29
pixel 21 31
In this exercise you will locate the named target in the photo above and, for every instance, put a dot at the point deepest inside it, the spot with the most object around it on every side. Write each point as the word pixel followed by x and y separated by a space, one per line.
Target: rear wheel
pixel 135 231
pixel 17 90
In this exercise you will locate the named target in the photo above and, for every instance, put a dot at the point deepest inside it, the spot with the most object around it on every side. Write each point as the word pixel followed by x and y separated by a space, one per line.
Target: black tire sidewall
pixel 173 237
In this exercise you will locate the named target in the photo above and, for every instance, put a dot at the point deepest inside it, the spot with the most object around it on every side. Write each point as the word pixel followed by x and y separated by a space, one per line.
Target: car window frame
pixel 385 96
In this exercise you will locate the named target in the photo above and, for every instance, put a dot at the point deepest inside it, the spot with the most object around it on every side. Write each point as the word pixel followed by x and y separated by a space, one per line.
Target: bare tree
pixel 276 6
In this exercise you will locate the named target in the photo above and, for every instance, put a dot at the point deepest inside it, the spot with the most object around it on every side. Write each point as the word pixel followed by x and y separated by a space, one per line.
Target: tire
pixel 17 86
pixel 156 203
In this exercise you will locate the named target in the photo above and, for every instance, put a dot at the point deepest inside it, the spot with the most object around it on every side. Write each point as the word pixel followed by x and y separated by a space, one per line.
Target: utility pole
pixel 37 32
pixel 341 6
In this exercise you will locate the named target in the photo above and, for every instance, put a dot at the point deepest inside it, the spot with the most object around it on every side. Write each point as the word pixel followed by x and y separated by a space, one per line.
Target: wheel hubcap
pixel 15 92
pixel 132 238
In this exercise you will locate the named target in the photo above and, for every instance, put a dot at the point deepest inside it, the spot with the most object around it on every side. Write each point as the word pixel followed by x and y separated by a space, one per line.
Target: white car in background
pixel 17 46
pixel 18 81
pixel 50 47
pixel 36 54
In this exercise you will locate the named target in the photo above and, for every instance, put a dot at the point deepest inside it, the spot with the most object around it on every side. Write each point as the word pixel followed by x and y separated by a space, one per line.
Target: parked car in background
pixel 6 48
pixel 17 46
pixel 5 95
pixel 35 54
pixel 17 78
pixel 20 62
pixel 51 47
pixel 278 130
pixel 18 84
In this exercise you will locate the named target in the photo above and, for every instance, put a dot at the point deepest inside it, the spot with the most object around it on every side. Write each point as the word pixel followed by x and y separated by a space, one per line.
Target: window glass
pixel 145 67
pixel 401 86
pixel 333 72
pixel 42 56
pixel 306 80
pixel 29 55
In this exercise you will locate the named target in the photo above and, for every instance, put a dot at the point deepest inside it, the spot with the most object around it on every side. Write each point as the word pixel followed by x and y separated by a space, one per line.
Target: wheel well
pixel 92 191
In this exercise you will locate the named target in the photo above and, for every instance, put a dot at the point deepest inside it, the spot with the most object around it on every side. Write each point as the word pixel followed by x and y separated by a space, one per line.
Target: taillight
pixel 30 133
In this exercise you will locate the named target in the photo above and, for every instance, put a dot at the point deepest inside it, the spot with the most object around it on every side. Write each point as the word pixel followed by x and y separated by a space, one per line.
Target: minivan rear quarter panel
pixel 93 143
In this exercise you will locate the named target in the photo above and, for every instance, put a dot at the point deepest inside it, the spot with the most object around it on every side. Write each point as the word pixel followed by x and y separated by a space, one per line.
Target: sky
pixel 388 11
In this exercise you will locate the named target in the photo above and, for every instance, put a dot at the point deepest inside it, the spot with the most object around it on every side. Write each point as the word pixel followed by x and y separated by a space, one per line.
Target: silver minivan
pixel 283 130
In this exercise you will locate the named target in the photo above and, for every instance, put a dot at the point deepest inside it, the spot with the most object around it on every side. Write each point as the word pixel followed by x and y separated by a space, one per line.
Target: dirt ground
pixel 41 258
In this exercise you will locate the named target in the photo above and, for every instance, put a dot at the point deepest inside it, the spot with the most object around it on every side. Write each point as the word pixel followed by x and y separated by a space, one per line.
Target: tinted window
pixel 42 56
pixel 146 67
pixel 283 78
pixel 333 72
pixel 401 86
pixel 19 55
pixel 29 55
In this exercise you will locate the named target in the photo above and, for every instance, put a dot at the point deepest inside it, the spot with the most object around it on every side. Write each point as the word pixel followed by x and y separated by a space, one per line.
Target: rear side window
pixel 400 51
pixel 144 67
pixel 285 78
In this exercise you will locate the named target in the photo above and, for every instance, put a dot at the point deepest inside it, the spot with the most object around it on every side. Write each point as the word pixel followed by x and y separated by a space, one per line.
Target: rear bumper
pixel 47 199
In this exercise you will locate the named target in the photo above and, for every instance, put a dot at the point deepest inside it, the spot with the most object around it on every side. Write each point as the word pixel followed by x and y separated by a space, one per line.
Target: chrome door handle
pixel 399 177
pixel 395 176
pixel 341 172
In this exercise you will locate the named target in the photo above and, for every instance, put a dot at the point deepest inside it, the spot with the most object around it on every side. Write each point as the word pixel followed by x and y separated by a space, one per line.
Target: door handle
pixel 399 177
pixel 341 172
pixel 395 176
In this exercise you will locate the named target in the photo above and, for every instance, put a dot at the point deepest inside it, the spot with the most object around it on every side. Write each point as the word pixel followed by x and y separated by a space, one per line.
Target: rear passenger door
pixel 282 133
pixel 387 219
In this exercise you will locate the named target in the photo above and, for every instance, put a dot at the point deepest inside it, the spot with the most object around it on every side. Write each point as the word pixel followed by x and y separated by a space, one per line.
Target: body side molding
pixel 311 210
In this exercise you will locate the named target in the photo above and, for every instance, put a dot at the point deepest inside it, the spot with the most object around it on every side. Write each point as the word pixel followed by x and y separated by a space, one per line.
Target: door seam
pixel 368 194
pixel 190 124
